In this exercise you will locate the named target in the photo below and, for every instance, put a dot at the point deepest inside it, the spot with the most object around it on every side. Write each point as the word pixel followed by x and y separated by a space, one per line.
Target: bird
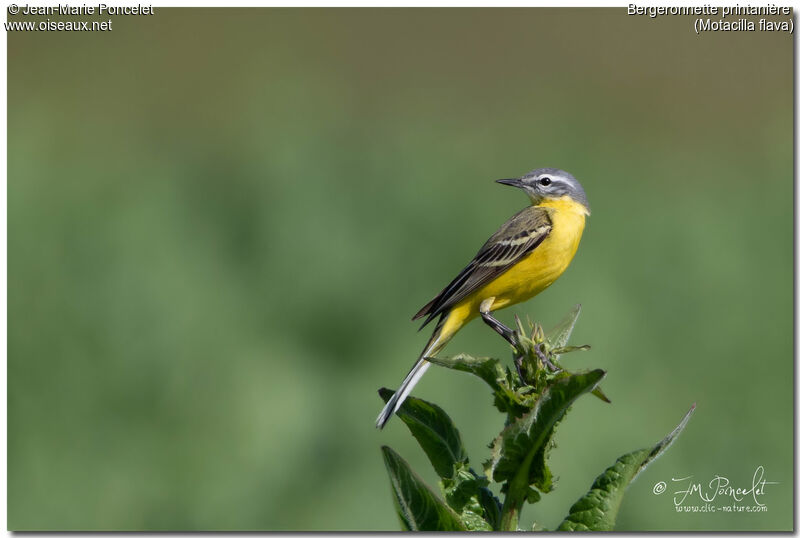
pixel 524 257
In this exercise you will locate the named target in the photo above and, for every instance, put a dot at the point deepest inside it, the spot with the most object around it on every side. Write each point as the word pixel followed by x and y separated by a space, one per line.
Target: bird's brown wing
pixel 519 236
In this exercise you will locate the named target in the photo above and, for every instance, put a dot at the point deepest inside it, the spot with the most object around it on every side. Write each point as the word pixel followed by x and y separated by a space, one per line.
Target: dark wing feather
pixel 513 241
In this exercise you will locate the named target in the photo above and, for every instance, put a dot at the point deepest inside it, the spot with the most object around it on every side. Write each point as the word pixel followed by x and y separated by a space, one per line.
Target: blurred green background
pixel 221 221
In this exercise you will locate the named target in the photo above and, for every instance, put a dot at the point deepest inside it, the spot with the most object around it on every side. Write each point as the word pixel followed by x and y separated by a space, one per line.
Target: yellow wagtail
pixel 527 254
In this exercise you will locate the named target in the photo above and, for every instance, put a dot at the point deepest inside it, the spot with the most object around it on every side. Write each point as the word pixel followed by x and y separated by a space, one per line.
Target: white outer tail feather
pixel 402 393
pixel 420 367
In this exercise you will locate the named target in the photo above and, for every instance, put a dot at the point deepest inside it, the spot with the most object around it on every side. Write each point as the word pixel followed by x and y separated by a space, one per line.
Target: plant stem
pixel 516 496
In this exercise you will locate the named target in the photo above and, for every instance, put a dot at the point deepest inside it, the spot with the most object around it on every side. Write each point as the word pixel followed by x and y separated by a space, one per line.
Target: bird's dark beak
pixel 514 182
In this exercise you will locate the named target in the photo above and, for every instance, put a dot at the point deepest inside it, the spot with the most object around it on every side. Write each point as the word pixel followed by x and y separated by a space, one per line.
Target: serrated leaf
pixel 433 430
pixel 488 369
pixel 417 506
pixel 540 475
pixel 559 335
pixel 500 379
pixel 519 442
pixel 597 510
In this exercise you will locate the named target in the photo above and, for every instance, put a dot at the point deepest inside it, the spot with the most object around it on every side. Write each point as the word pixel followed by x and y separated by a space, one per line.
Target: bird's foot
pixel 539 350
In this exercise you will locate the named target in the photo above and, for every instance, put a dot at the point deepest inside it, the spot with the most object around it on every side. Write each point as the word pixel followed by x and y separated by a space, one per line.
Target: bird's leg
pixel 495 324
pixel 543 357
pixel 518 366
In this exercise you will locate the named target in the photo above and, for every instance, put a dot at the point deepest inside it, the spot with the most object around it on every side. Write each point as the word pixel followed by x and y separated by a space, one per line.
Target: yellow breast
pixel 546 263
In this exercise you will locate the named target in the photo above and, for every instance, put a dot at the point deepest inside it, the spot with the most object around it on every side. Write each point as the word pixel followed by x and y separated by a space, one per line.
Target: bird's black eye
pixel 545 181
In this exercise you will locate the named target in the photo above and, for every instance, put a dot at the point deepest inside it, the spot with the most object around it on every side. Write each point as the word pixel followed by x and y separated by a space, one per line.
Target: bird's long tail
pixel 438 339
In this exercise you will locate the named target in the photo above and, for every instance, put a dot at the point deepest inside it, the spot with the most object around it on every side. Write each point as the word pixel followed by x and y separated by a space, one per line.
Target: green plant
pixel 535 396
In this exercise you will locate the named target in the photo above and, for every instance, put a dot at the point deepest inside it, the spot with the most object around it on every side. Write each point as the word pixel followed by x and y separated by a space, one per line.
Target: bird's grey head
pixel 549 183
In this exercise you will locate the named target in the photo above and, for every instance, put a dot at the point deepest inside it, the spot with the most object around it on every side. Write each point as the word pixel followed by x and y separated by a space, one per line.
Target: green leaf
pixel 559 335
pixel 463 485
pixel 471 511
pixel 533 496
pixel 472 519
pixel 491 507
pixel 441 441
pixel 540 475
pixel 569 349
pixel 486 368
pixel 597 510
pixel 418 507
pixel 493 373
pixel 434 431
pixel 600 394
pixel 519 442
pixel 466 494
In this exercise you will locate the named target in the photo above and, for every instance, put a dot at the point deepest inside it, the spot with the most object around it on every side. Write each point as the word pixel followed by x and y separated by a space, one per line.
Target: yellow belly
pixel 534 273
